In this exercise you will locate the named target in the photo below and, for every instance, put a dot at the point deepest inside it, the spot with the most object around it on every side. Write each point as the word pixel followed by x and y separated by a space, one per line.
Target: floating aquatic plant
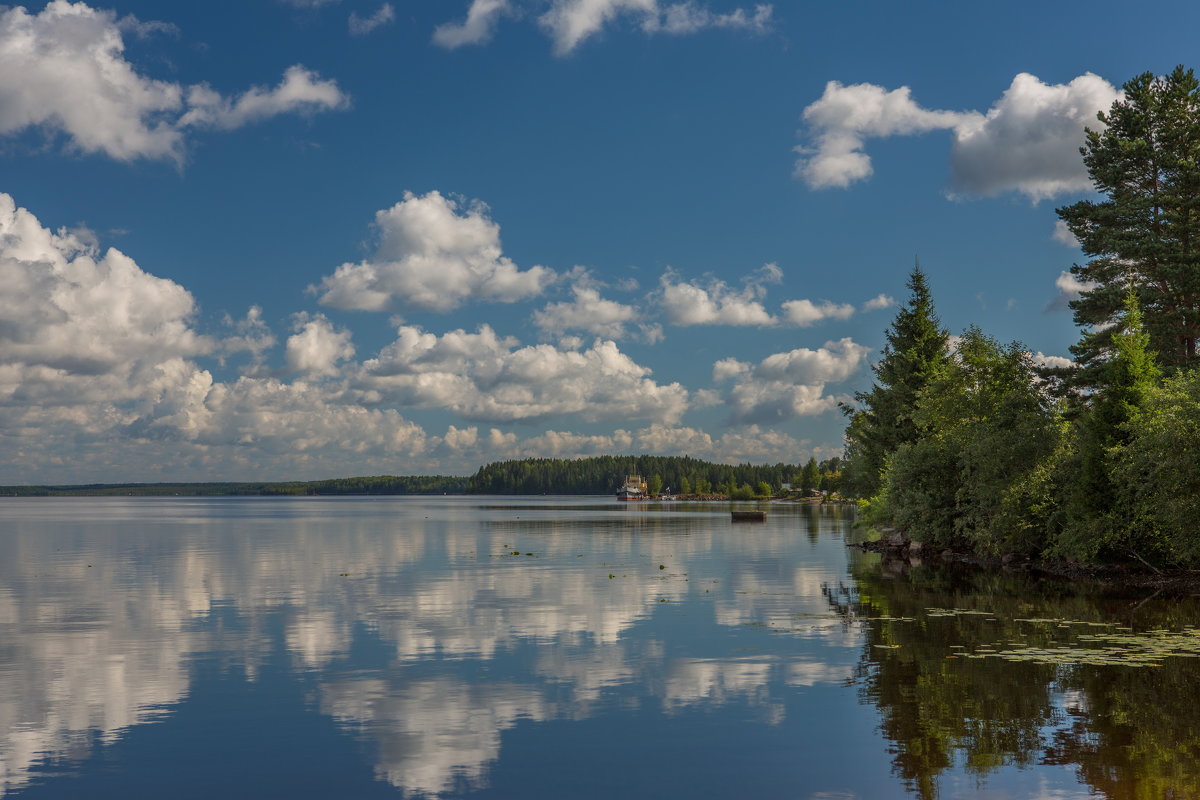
pixel 1114 648
pixel 956 612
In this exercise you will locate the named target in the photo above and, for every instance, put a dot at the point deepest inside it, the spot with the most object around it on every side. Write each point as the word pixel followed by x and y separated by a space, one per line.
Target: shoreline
pixel 1131 575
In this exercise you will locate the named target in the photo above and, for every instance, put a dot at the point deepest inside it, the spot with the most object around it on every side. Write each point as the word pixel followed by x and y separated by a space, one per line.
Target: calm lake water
pixel 561 648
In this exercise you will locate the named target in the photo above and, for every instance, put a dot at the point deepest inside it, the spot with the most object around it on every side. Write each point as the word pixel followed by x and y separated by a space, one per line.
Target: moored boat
pixel 634 488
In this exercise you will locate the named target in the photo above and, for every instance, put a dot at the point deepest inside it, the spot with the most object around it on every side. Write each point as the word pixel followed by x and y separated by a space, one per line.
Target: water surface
pixel 552 648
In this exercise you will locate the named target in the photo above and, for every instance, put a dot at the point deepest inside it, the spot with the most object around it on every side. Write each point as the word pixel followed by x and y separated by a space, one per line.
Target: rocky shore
pixel 901 551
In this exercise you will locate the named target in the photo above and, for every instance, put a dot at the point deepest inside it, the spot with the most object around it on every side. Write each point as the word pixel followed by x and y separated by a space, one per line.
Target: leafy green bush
pixel 743 492
pixel 1157 474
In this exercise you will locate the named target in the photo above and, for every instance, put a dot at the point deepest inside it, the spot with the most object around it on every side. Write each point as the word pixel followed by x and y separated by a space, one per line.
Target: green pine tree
pixel 916 350
pixel 1094 519
pixel 1145 234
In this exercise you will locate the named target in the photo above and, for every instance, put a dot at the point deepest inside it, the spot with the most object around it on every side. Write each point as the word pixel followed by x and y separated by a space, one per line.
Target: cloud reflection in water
pixel 101 648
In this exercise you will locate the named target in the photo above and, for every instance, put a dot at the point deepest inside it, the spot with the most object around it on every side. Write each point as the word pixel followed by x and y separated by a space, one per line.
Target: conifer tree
pixel 1146 233
pixel 916 349
pixel 1128 378
pixel 810 476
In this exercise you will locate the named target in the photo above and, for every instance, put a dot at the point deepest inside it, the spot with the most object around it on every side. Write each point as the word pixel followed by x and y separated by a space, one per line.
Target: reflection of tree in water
pixel 1136 733
pixel 1132 733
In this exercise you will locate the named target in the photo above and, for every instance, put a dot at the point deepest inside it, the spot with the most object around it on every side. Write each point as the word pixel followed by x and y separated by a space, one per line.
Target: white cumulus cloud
pixel 879 302
pixel 745 443
pixel 316 348
pixel 64 69
pixel 98 373
pixel 752 443
pixel 728 368
pixel 72 311
pixel 670 440
pixel 1069 288
pixel 457 439
pixel 570 22
pixel 361 26
pixel 480 25
pixel 836 361
pixel 1058 362
pixel 588 312
pixel 434 253
pixel 1027 142
pixel 300 91
pixel 252 335
pixel 787 385
pixel 844 117
pixel 269 417
pixel 804 313
pixel 481 376
pixel 688 17
pixel 566 444
pixel 1062 234
pixel 713 303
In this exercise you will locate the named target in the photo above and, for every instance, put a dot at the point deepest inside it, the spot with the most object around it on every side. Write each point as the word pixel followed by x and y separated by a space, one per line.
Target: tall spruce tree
pixel 1145 234
pixel 1128 377
pixel 916 350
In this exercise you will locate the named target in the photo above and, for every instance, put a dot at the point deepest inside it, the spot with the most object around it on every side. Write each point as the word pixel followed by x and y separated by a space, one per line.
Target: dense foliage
pixel 983 420
pixel 984 456
pixel 1001 466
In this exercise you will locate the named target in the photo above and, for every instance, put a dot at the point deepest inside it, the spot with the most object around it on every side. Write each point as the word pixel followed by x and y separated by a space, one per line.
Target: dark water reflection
pixel 975 669
pixel 559 648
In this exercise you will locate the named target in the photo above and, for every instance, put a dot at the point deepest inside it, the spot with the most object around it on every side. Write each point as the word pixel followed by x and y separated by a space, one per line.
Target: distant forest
pixel 380 484
pixel 599 475
pixel 679 474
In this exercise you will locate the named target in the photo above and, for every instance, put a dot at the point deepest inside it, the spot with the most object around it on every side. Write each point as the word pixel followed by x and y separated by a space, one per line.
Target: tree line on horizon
pixel 678 474
pixel 977 447
pixel 595 475
pixel 367 485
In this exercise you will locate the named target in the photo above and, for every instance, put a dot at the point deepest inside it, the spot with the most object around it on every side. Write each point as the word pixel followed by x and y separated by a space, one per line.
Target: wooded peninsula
pixel 971 444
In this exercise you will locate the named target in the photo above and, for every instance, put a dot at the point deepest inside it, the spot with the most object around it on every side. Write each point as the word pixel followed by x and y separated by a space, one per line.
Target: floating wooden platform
pixel 748 516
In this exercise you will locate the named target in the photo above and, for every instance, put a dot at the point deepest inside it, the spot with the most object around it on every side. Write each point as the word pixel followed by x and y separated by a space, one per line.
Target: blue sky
pixel 303 239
